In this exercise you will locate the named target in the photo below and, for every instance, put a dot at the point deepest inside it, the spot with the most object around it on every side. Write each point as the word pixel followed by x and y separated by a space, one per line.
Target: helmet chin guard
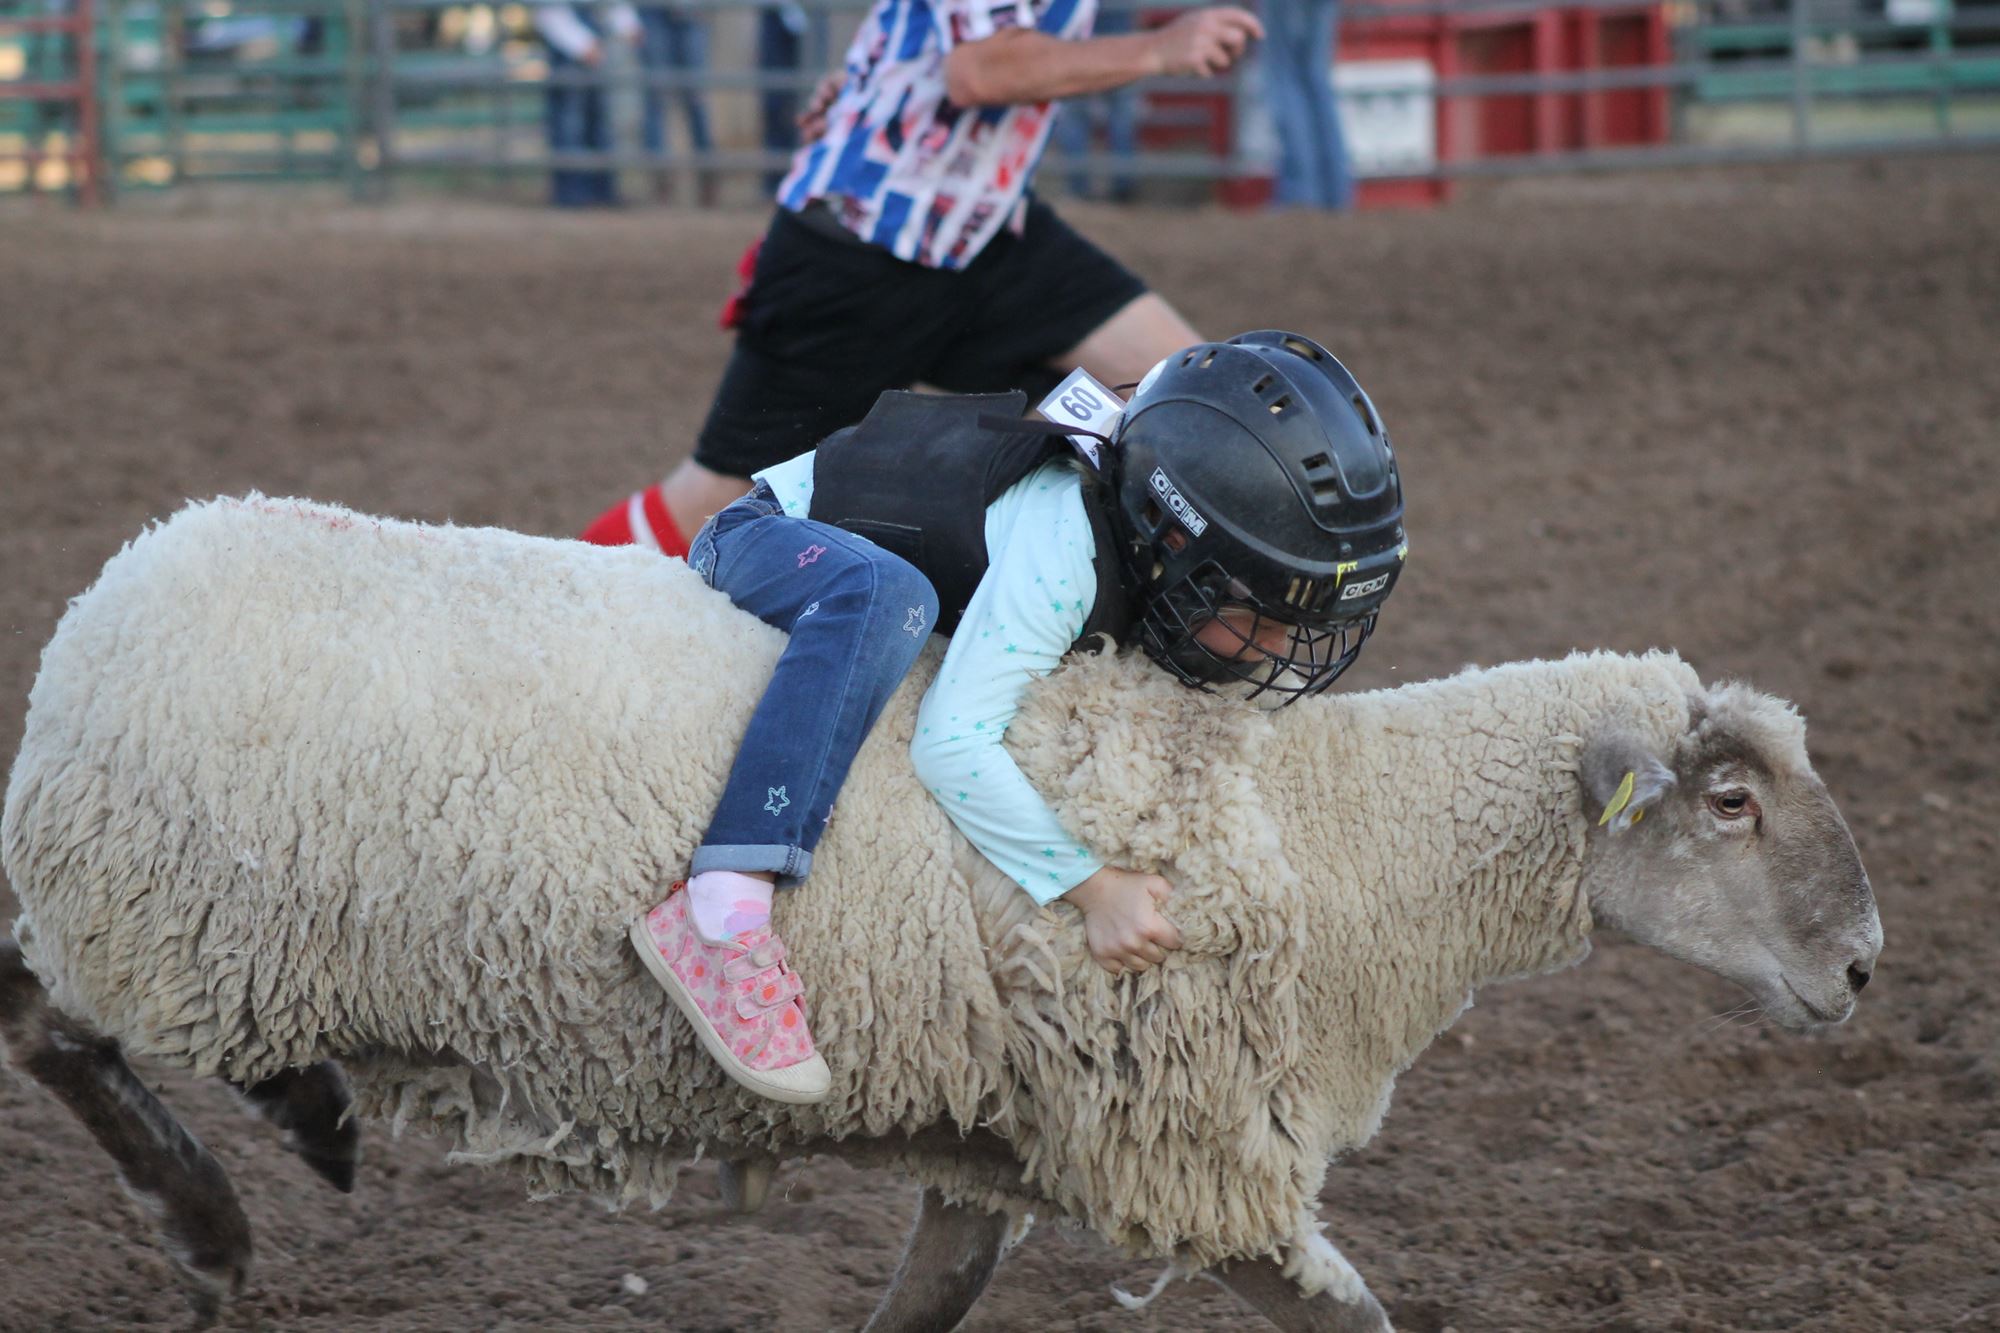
pixel 1233 654
pixel 1259 512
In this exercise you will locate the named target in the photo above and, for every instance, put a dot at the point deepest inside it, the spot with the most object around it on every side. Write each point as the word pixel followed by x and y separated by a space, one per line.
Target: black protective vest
pixel 915 477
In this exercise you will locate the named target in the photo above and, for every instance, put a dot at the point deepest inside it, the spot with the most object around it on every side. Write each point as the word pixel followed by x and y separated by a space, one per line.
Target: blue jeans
pixel 578 121
pixel 780 46
pixel 1299 40
pixel 857 616
pixel 673 41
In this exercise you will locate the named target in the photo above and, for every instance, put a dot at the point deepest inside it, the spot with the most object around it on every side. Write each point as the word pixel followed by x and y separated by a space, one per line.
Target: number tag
pixel 1081 401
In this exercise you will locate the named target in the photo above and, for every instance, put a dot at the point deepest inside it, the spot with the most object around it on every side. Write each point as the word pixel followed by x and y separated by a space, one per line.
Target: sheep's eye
pixel 1732 804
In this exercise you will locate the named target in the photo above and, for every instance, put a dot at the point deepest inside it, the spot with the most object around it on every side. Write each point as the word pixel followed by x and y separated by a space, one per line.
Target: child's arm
pixel 1028 609
pixel 1037 593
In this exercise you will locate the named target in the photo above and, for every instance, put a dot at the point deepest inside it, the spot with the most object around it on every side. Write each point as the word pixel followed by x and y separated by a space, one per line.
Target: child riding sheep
pixel 1241 522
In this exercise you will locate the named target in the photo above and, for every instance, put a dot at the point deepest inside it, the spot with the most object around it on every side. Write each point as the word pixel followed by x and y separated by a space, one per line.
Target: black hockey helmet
pixel 1255 475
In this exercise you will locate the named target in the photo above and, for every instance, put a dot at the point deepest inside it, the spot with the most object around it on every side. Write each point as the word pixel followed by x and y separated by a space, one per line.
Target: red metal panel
pixel 1633 115
pixel 1561 39
pixel 1418 37
pixel 1544 40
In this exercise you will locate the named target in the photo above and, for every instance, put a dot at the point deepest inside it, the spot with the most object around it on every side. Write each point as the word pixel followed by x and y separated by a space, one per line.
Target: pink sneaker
pixel 742 999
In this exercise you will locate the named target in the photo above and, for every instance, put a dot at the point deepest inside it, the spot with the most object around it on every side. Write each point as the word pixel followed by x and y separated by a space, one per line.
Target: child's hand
pixel 1122 920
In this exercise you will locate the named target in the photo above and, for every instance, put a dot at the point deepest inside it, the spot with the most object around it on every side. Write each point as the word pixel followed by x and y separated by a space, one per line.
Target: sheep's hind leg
pixel 1343 1308
pixel 950 1257
pixel 311 1106
pixel 164 1168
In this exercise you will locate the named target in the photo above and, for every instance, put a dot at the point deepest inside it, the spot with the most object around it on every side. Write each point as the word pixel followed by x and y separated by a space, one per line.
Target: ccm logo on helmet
pixel 1189 516
pixel 1363 588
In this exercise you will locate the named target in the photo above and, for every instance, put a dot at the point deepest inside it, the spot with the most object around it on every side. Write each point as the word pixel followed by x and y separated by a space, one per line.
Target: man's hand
pixel 812 120
pixel 1205 42
pixel 1122 921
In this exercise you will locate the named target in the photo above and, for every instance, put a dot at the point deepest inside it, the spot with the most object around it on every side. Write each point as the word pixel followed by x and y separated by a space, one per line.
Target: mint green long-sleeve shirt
pixel 1038 591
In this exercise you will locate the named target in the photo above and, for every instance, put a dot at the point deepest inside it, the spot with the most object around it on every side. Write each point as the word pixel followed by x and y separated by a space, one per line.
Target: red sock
pixel 640 519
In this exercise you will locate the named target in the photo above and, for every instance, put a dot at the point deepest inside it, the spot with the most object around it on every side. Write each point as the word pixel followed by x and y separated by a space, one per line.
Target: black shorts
pixel 829 322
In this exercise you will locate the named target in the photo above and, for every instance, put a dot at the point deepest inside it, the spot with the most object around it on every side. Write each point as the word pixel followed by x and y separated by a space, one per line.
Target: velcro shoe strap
pixel 782 988
pixel 760 959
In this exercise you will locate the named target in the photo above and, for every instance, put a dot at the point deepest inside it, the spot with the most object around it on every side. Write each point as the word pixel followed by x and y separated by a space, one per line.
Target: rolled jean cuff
pixel 790 864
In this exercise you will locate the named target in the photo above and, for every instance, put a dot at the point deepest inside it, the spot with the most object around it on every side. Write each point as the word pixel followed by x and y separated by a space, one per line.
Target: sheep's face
pixel 1739 863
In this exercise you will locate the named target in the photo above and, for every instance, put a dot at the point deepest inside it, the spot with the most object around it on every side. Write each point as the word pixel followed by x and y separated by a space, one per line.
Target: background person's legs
pixel 687 50
pixel 575 122
pixel 1329 140
pixel 1298 61
pixel 1289 66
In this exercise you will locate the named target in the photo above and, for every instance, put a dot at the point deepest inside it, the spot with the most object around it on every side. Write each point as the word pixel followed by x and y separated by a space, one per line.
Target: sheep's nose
pixel 1857 976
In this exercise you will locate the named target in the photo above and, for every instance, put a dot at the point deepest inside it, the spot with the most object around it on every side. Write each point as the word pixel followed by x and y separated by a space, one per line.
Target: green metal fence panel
pixel 242 90
pixel 371 91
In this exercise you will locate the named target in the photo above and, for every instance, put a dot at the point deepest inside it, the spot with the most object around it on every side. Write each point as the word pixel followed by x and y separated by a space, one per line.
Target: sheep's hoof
pixel 745 1182
pixel 335 1171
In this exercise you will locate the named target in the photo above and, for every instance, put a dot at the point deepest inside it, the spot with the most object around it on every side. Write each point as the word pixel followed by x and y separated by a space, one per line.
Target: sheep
pixel 302 791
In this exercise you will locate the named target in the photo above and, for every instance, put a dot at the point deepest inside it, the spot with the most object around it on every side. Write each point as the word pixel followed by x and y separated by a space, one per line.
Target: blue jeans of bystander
pixel 577 120
pixel 1119 109
pixel 673 42
pixel 1299 40
pixel 858 616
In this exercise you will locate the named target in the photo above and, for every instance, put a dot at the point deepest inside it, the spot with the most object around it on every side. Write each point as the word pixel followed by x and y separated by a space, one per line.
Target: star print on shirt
pixel 776 801
pixel 914 626
pixel 810 554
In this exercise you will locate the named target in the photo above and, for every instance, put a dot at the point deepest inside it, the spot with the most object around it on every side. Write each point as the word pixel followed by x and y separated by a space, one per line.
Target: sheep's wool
pixel 300 784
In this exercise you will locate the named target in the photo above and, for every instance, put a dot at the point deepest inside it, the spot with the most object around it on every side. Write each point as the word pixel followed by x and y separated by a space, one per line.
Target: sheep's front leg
pixel 951 1255
pixel 162 1166
pixel 1344 1307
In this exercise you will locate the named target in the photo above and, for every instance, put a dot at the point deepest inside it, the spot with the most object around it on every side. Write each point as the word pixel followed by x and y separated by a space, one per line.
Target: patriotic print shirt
pixel 901 165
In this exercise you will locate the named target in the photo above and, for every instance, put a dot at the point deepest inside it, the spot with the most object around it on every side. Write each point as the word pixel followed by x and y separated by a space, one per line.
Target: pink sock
pixel 725 904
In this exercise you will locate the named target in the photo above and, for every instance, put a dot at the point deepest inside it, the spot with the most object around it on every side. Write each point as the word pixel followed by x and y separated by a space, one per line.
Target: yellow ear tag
pixel 1620 799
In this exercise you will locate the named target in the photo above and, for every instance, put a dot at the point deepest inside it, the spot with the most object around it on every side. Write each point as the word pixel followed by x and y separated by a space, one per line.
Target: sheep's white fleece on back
pixel 300 784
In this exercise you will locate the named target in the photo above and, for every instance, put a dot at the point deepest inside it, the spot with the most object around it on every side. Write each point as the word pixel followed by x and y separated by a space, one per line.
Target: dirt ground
pixel 1749 415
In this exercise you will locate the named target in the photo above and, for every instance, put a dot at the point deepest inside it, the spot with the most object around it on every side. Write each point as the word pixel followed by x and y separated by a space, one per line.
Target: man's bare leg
pixel 666 517
pixel 693 494
pixel 1123 348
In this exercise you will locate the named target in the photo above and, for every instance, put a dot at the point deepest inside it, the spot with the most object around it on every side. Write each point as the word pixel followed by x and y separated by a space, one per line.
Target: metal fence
pixel 99 97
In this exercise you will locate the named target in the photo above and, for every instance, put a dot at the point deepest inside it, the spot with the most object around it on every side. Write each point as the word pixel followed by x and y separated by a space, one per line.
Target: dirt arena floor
pixel 1748 415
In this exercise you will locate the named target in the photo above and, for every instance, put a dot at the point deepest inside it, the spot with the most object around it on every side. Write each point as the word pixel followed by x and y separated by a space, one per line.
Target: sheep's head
pixel 1728 853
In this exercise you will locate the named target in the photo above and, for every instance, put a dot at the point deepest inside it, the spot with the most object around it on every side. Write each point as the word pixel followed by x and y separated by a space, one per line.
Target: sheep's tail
pixel 163 1167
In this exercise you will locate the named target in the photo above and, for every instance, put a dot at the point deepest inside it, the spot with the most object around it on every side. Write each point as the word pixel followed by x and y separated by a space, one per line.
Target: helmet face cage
pixel 1311 660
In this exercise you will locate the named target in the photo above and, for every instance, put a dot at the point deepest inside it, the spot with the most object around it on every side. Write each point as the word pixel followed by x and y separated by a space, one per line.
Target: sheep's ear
pixel 1622 779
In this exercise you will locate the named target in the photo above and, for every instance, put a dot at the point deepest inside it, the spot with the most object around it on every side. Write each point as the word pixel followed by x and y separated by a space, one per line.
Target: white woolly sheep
pixel 301 787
